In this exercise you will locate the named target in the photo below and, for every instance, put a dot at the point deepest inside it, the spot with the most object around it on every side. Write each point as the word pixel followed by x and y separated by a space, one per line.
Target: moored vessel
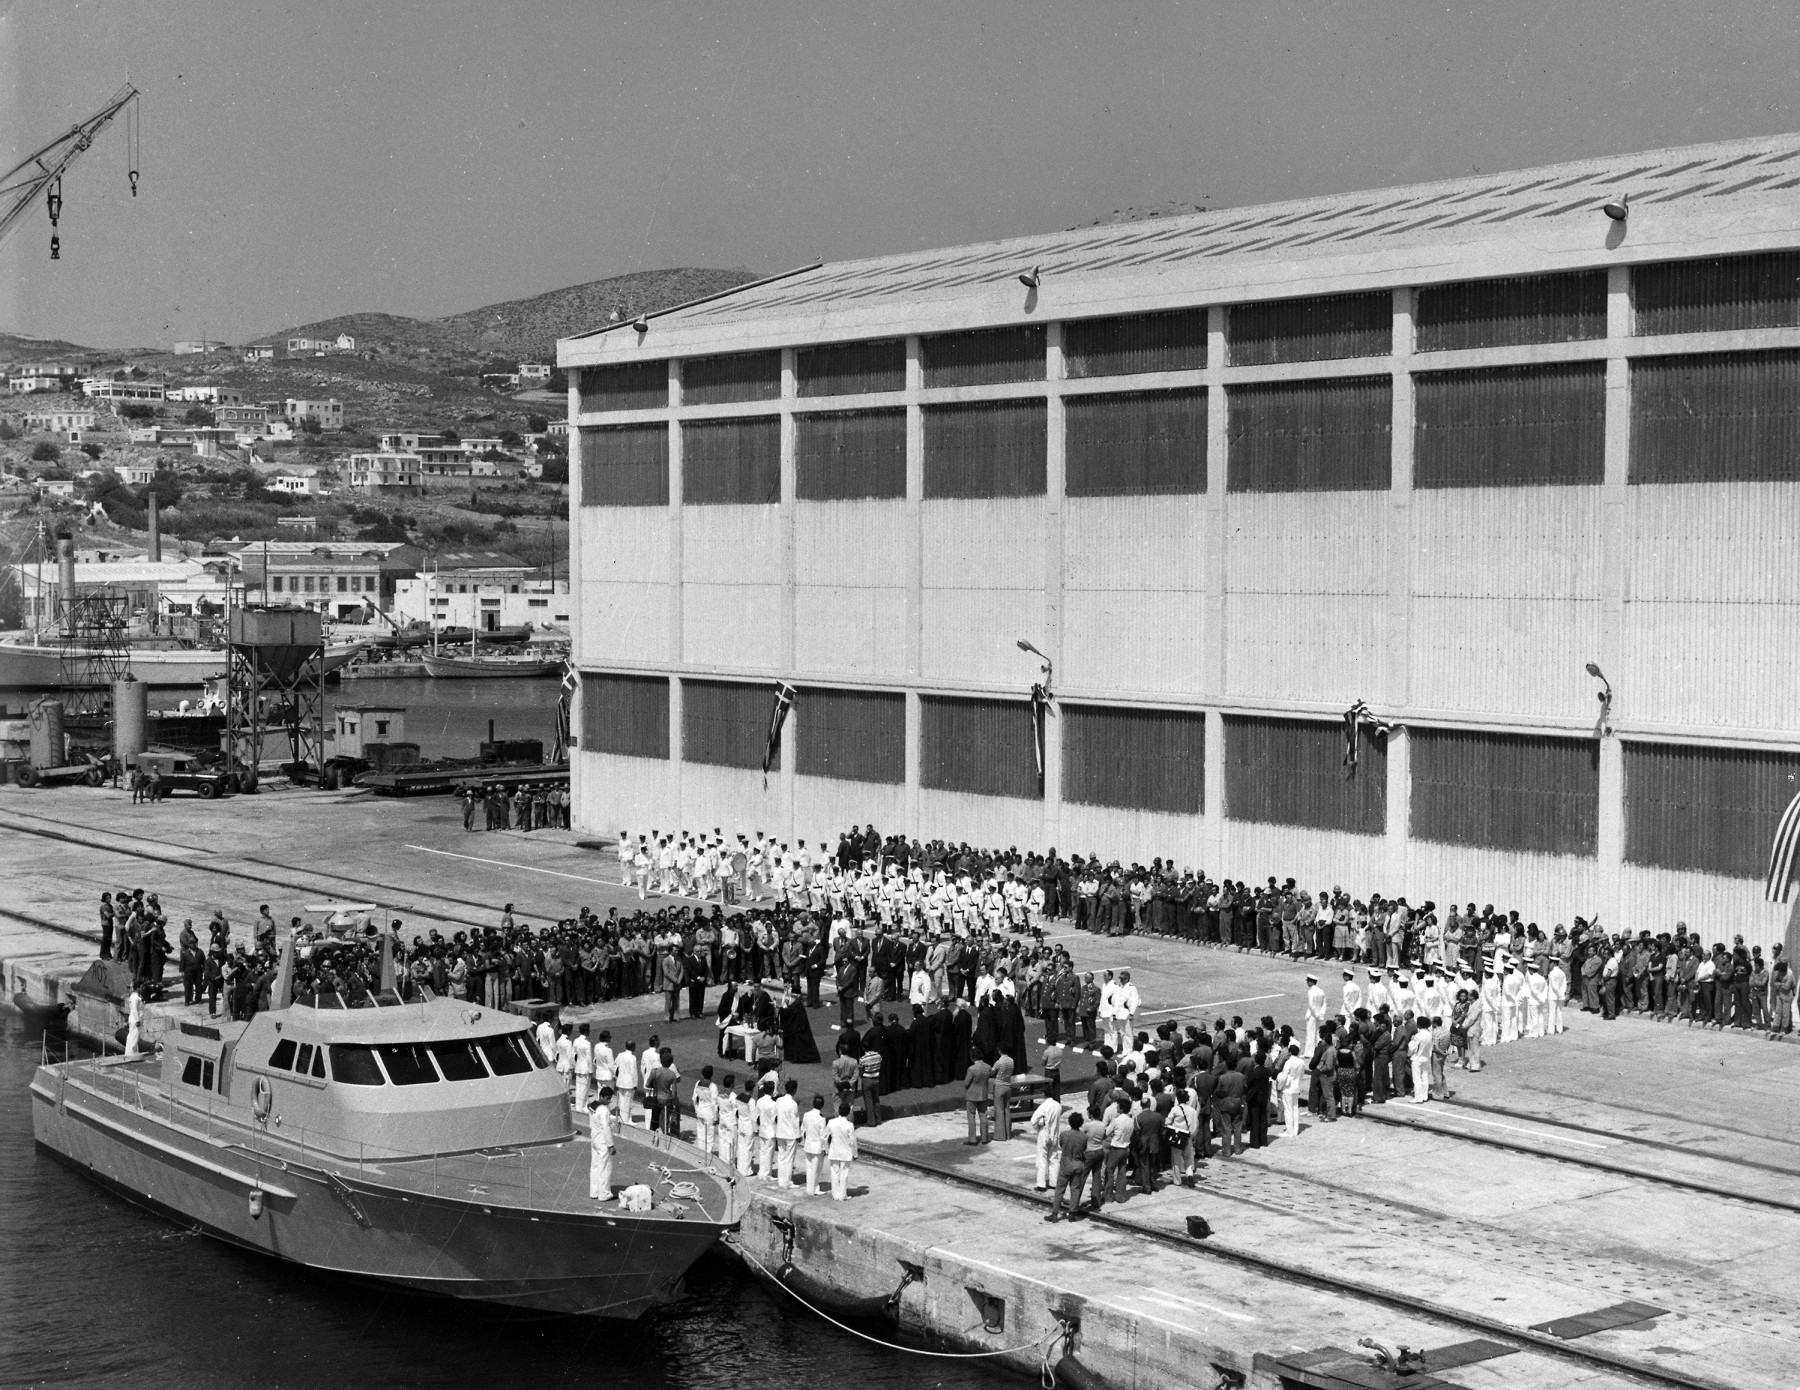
pixel 427 1145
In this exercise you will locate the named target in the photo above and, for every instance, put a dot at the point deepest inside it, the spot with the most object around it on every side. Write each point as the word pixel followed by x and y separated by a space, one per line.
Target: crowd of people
pixel 530 806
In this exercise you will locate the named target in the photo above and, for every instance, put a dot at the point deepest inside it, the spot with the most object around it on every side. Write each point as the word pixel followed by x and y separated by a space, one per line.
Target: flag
pixel 1781 854
pixel 1354 717
pixel 571 682
pixel 784 701
pixel 1040 709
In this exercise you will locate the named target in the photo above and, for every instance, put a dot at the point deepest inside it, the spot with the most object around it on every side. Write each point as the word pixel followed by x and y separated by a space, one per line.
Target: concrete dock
pixel 1615 1206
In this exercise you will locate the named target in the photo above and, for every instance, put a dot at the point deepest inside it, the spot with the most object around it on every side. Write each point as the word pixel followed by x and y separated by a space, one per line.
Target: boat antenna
pixel 387 962
pixel 283 993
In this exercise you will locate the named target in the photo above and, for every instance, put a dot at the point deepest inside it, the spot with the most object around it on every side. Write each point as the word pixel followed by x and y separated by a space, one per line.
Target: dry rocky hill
pixel 524 329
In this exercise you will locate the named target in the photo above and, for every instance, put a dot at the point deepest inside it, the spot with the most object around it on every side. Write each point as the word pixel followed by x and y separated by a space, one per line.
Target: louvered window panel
pixel 727 462
pixel 851 735
pixel 851 369
pixel 725 723
pixel 985 449
pixel 1145 443
pixel 737 376
pixel 1727 417
pixel 980 746
pixel 1291 772
pixel 1506 313
pixel 1136 759
pixel 1134 343
pixel 626 715
pixel 845 455
pixel 1722 294
pixel 1714 810
pixel 626 386
pixel 984 357
pixel 1310 330
pixel 625 466
pixel 1311 436
pixel 1506 791
pixel 1510 426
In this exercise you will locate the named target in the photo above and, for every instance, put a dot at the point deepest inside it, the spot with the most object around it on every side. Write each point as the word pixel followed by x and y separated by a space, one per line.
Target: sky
pixel 311 158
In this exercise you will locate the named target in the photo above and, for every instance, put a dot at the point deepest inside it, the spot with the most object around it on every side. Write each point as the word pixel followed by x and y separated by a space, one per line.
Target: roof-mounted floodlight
pixel 1031 277
pixel 641 324
pixel 1618 208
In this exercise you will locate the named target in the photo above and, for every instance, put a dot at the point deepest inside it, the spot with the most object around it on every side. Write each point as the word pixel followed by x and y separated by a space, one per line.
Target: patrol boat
pixel 428 1145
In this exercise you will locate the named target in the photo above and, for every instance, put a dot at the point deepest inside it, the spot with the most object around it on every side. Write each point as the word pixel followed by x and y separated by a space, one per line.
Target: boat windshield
pixel 354 1065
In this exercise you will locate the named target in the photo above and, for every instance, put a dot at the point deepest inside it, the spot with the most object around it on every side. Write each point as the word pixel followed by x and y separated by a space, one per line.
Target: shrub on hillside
pixel 93 451
pixel 137 410
pixel 7 431
pixel 199 415
pixel 45 452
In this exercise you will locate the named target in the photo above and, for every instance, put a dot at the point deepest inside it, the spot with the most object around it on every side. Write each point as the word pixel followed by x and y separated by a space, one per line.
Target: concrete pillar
pixel 1397 693
pixel 789 766
pixel 677 567
pixel 1398 839
pixel 1615 581
pixel 915 575
pixel 914 759
pixel 789 586
pixel 1214 512
pixel 1051 641
pixel 677 811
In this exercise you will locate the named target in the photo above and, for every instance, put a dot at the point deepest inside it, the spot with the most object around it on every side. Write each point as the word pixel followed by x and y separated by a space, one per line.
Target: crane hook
pixel 133 176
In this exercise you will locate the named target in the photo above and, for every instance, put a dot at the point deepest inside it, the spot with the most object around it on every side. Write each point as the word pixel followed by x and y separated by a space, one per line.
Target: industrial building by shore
pixel 1496 472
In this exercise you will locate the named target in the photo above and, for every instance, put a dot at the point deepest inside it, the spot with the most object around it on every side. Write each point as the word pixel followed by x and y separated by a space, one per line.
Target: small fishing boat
pixel 499 666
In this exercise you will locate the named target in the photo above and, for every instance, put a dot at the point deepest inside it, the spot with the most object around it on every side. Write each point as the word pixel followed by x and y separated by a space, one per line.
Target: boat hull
pixel 468 668
pixel 341 1221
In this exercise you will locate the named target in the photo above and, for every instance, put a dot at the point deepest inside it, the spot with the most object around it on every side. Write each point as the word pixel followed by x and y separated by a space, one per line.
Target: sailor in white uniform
pixel 1315 1014
pixel 1353 995
pixel 600 1135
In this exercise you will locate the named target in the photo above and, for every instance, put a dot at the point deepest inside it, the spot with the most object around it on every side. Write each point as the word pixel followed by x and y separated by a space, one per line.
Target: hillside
pixel 522 329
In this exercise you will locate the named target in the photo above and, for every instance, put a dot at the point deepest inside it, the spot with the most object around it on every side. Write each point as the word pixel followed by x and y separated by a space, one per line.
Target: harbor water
pixel 95 1292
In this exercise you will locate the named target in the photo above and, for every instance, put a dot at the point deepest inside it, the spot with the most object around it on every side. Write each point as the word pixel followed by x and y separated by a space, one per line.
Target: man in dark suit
pixel 1258 1082
pixel 1147 1145
pixel 1228 1109
pixel 977 1086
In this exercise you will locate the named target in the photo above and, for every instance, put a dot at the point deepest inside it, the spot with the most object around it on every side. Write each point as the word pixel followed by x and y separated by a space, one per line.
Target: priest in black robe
pixel 962 1030
pixel 797 1043
pixel 919 1056
pixel 943 1043
pixel 893 1056
pixel 986 1037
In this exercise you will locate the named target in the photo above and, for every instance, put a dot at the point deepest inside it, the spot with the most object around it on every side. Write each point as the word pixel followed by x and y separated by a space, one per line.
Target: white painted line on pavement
pixel 1156 1295
pixel 1534 1133
pixel 1210 1004
pixel 522 868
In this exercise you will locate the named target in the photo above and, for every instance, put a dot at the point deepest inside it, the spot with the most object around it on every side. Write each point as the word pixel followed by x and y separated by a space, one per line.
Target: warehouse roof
pixel 1439 214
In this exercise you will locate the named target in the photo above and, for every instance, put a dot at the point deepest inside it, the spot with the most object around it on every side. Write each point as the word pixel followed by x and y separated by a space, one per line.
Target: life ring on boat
pixel 262 1098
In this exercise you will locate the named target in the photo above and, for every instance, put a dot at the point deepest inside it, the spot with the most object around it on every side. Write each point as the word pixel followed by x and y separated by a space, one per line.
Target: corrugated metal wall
pixel 1134 594
pixel 825 806
pixel 1510 426
pixel 625 466
pixel 725 462
pixel 1719 295
pixel 1716 907
pixel 979 746
pixel 1507 604
pixel 731 587
pixel 1310 330
pixel 616 793
pixel 1542 888
pixel 1726 417
pixel 964 817
pixel 725 723
pixel 1132 836
pixel 851 369
pixel 1310 436
pixel 627 583
pixel 628 386
pixel 1141 759
pixel 732 798
pixel 1136 444
pixel 1710 809
pixel 1710 615
pixel 625 715
pixel 983 587
pixel 736 376
pixel 1255 851
pixel 1502 313
pixel 850 602
pixel 851 735
pixel 850 454
pixel 1505 791
pixel 1306 603
pixel 985 449
pixel 984 357
pixel 1131 343
pixel 1291 772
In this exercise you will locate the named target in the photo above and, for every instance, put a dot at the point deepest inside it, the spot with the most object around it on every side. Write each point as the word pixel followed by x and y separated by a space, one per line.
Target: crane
pixel 41 172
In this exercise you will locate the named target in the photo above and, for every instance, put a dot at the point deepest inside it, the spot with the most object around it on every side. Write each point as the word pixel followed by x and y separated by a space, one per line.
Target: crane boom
pixel 40 173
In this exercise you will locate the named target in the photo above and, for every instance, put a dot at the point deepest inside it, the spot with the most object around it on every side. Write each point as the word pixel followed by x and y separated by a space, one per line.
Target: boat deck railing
pixel 547 1176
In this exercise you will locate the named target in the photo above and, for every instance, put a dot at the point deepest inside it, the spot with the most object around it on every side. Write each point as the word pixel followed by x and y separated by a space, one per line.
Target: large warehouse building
pixel 1444 450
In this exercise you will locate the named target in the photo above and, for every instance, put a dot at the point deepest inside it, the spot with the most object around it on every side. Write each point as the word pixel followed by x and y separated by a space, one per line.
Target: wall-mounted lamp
pixel 1025 646
pixel 1618 208
pixel 1605 696
pixel 1032 278
pixel 641 324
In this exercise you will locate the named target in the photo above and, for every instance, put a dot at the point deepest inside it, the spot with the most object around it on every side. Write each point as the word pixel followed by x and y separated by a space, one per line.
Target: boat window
pixel 197 1071
pixel 532 1050
pixel 304 1065
pixel 318 1066
pixel 388 999
pixel 283 1055
pixel 354 1065
pixel 459 1061
pixel 506 1056
pixel 407 1064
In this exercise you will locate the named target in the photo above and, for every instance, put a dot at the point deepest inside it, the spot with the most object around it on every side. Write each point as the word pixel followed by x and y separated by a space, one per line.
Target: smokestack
pixel 65 560
pixel 155 530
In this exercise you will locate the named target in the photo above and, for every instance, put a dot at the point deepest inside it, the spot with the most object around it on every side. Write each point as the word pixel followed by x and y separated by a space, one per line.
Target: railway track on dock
pixel 1462 1320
